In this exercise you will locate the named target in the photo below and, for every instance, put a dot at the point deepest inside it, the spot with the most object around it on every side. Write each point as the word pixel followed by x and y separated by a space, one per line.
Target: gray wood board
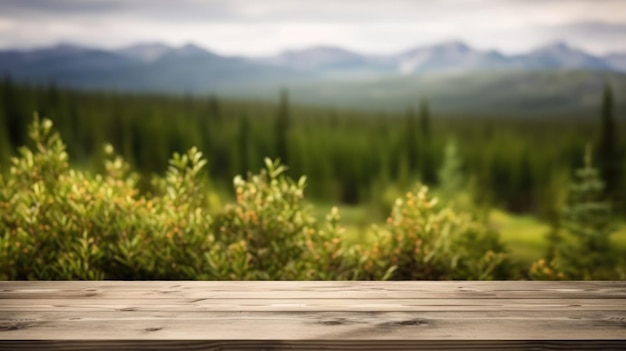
pixel 312 315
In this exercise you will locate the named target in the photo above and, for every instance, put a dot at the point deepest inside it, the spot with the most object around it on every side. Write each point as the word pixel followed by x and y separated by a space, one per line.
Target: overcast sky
pixel 263 27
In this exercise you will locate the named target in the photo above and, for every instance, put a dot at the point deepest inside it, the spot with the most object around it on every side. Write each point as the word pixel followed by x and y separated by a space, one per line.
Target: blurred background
pixel 491 103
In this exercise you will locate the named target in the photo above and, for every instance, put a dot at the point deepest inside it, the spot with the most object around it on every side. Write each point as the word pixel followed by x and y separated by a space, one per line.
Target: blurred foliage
pixel 579 245
pixel 133 211
pixel 425 240
pixel 271 234
pixel 350 157
pixel 62 223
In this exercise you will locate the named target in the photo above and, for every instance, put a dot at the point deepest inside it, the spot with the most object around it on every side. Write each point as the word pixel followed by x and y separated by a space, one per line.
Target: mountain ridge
pixel 450 54
pixel 456 54
pixel 452 74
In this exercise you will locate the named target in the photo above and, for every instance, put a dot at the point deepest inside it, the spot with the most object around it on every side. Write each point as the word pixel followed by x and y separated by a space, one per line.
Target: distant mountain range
pixel 157 67
pixel 144 67
pixel 448 56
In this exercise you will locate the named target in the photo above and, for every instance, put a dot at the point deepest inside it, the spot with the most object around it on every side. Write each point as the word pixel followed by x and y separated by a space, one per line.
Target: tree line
pixel 351 157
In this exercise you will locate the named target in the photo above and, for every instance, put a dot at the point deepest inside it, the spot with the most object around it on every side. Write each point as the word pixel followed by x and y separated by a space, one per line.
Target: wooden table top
pixel 158 315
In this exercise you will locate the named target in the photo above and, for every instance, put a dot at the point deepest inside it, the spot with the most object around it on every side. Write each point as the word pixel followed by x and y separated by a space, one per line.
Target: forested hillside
pixel 555 78
pixel 351 157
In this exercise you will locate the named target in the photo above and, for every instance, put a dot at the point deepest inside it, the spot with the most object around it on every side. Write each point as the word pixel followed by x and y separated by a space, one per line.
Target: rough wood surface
pixel 312 315
pixel 339 345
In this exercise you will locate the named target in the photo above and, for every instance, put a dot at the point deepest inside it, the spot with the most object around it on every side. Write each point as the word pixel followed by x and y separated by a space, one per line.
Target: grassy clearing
pixel 618 239
pixel 524 235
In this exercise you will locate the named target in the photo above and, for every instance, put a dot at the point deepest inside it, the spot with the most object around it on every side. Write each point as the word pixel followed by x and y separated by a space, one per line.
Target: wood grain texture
pixel 312 315
pixel 312 289
pixel 301 305
pixel 339 345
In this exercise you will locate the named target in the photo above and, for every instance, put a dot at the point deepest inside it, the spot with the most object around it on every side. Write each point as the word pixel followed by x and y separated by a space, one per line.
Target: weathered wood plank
pixel 365 305
pixel 340 345
pixel 312 315
pixel 307 325
pixel 309 289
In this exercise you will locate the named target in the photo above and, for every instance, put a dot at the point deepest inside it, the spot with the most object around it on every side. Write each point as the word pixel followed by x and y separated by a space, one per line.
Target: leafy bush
pixel 424 240
pixel 61 223
pixel 272 234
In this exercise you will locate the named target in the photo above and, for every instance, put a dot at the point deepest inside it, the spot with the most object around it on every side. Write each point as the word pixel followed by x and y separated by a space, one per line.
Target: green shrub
pixel 61 223
pixel 424 240
pixel 272 234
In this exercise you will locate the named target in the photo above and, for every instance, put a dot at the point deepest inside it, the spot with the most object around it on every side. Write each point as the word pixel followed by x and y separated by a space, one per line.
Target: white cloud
pixel 264 27
pixel 6 25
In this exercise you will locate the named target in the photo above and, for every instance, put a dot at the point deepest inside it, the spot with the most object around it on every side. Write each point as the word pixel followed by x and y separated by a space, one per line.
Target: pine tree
pixel 11 103
pixel 451 180
pixel 587 214
pixel 427 163
pixel 411 139
pixel 609 158
pixel 588 221
pixel 524 199
pixel 425 119
pixel 282 128
pixel 244 144
pixel 214 109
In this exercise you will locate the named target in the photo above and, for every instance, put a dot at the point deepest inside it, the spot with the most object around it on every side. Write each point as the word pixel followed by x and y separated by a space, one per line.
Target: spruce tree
pixel 524 197
pixel 244 144
pixel 411 139
pixel 451 180
pixel 425 119
pixel 214 109
pixel 11 103
pixel 282 128
pixel 427 162
pixel 587 220
pixel 609 158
